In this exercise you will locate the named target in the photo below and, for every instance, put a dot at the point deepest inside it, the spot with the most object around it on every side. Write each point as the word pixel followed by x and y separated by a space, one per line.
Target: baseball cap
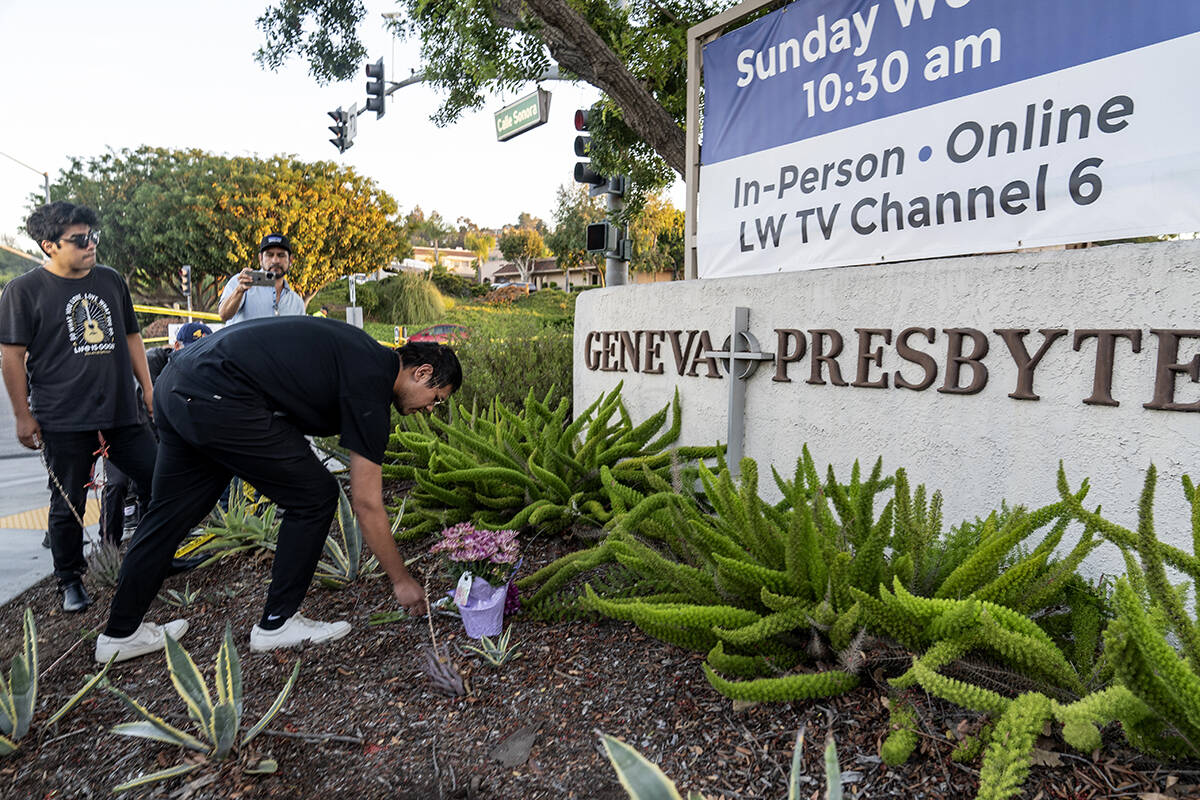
pixel 275 240
pixel 191 332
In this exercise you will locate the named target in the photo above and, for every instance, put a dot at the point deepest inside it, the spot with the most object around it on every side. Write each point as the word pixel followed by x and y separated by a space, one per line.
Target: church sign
pixel 978 375
pixel 851 132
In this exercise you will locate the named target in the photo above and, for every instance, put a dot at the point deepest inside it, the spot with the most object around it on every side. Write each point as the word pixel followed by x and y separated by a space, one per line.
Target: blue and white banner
pixel 846 132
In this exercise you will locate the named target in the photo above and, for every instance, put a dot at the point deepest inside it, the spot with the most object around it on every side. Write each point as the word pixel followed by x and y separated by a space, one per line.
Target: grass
pixel 553 307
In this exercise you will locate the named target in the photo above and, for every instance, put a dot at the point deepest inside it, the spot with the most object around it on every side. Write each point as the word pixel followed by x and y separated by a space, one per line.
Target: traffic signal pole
pixel 603 237
pixel 616 268
pixel 345 126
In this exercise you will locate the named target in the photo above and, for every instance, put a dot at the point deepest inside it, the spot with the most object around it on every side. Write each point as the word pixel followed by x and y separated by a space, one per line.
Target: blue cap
pixel 191 332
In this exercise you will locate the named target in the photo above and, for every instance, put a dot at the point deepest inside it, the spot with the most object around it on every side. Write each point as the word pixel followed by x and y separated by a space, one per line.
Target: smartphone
pixel 260 277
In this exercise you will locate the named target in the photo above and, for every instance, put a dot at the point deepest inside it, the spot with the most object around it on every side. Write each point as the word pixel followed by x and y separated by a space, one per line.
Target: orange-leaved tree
pixel 161 209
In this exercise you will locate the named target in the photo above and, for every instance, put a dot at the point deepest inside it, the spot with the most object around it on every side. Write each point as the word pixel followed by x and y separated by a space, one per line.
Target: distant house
pixel 457 262
pixel 547 274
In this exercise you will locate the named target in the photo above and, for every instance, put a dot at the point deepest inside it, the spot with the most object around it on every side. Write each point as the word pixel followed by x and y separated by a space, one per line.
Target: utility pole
pixel 45 175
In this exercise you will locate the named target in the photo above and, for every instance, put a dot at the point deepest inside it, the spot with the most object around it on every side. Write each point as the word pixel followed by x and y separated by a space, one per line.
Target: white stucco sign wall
pixel 935 365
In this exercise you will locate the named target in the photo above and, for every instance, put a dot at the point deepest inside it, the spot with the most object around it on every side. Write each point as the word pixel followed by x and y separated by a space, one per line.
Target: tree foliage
pixel 480 243
pixel 522 246
pixel 428 230
pixel 657 233
pixel 162 208
pixel 636 53
pixel 573 213
pixel 15 261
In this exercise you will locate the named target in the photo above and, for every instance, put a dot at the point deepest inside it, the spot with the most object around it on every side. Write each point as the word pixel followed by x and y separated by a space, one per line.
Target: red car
pixel 443 334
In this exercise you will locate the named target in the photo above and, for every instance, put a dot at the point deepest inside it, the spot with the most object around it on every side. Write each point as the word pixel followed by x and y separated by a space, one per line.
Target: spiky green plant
pixel 104 563
pixel 902 733
pixel 343 563
pixel 774 584
pixel 1149 611
pixel 509 470
pixel 18 694
pixel 180 598
pixel 643 780
pixel 497 652
pixel 248 525
pixel 218 723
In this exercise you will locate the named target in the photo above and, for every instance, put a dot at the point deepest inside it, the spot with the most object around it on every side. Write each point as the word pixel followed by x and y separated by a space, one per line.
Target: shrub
pixel 450 284
pixel 505 358
pixel 408 299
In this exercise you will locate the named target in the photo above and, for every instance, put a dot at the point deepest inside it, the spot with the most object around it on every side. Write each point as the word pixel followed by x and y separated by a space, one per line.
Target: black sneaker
pixel 75 597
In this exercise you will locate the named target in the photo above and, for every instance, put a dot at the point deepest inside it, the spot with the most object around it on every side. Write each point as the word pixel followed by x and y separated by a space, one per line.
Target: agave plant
pixel 104 563
pixel 218 723
pixel 18 695
pixel 498 652
pixel 643 779
pixel 180 599
pixel 343 562
pixel 248 524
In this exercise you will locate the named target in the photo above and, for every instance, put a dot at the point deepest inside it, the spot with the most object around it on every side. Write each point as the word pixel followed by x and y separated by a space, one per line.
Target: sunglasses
pixel 81 240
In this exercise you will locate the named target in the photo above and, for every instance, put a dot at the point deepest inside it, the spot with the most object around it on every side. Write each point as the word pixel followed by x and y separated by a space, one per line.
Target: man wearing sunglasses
pixel 240 402
pixel 69 342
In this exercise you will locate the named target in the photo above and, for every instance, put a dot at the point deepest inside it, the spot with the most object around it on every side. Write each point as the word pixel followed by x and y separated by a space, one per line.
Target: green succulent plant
pixel 217 723
pixel 497 652
pixel 343 561
pixel 18 694
pixel 643 780
pixel 529 469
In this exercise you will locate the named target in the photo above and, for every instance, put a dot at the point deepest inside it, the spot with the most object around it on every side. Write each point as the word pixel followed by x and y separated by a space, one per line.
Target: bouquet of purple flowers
pixel 491 555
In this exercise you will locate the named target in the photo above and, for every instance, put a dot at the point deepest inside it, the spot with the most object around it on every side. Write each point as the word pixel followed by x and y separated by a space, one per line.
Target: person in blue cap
pixel 242 300
pixel 122 499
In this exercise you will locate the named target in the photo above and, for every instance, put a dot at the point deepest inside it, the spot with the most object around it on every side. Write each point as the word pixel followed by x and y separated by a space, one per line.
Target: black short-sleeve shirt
pixel 74 332
pixel 325 376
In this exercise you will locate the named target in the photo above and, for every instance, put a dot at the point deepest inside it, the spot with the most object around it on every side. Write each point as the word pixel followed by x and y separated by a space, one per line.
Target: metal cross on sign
pixel 737 359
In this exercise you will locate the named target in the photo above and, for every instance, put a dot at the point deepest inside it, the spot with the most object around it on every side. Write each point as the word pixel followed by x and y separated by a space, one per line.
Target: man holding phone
pixel 255 294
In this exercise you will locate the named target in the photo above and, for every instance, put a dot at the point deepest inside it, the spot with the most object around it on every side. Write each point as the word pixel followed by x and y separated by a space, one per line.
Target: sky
pixel 81 78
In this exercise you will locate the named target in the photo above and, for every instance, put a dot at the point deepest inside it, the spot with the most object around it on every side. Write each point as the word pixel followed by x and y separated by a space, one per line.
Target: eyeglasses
pixel 81 240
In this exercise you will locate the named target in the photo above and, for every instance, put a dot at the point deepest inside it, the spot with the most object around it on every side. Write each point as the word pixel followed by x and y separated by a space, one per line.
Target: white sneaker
pixel 148 638
pixel 297 630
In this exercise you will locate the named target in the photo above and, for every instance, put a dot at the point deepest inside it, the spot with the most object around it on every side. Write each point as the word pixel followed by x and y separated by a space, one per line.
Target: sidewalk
pixel 24 499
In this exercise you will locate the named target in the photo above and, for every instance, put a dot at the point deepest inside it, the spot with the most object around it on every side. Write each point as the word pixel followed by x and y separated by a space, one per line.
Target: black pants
pixel 119 492
pixel 70 456
pixel 203 441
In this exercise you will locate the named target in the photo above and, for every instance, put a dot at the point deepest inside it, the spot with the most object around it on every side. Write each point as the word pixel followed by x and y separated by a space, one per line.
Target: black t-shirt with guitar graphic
pixel 74 330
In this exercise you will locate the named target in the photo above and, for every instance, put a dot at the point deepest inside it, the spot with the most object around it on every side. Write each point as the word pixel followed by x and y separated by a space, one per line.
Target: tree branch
pixel 577 47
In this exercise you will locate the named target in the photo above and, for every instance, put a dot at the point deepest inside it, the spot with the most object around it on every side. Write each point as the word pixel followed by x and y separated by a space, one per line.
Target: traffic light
pixel 600 237
pixel 583 169
pixel 376 91
pixel 185 280
pixel 345 125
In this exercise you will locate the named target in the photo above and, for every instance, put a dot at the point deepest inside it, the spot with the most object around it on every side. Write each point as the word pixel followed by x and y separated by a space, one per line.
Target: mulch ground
pixel 364 721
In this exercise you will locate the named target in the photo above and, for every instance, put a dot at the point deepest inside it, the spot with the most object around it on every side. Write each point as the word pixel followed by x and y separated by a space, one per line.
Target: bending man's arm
pixel 366 487
pixel 12 364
